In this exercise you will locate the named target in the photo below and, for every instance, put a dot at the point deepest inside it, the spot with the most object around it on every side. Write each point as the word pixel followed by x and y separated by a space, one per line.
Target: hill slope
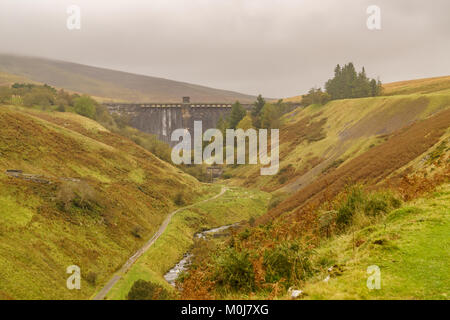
pixel 110 84
pixel 425 85
pixel 86 197
pixel 319 139
pixel 410 246
pixel 356 188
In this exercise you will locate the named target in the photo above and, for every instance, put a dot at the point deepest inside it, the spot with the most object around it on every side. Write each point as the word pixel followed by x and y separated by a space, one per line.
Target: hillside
pixel 410 246
pixel 425 85
pixel 109 84
pixel 319 139
pixel 7 79
pixel 86 197
pixel 362 182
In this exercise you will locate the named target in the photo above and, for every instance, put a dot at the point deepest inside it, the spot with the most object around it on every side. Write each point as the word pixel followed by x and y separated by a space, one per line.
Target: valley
pixel 359 180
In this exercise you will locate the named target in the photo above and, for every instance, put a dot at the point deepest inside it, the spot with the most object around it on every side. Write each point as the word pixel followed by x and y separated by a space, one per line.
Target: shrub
pixel 179 199
pixel 91 278
pixel 282 179
pixel 244 234
pixel 366 205
pixel 315 96
pixel 136 232
pixel 61 108
pixel 145 290
pixel 288 262
pixel 353 202
pixel 78 194
pixel 85 106
pixel 38 97
pixel 226 176
pixel 234 270
pixel 326 220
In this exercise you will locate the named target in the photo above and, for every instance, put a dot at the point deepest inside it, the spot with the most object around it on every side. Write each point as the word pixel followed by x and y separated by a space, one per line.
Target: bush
pixel 136 232
pixel 38 97
pixel 244 234
pixel 288 262
pixel 61 108
pixel 179 199
pixel 282 180
pixel 357 201
pixel 315 96
pixel 76 194
pixel 85 106
pixel 234 270
pixel 91 278
pixel 227 176
pixel 145 290
pixel 353 202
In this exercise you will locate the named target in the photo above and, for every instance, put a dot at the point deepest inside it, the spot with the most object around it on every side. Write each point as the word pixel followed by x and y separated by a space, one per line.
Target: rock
pixel 295 293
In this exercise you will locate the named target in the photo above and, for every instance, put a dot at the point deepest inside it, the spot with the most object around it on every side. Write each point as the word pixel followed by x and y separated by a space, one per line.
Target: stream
pixel 183 264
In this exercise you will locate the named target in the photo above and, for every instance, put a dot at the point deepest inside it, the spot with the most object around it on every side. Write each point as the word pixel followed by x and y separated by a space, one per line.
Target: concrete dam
pixel 161 119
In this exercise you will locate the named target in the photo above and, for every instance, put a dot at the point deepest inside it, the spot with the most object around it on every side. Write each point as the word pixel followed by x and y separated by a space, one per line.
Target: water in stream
pixel 183 264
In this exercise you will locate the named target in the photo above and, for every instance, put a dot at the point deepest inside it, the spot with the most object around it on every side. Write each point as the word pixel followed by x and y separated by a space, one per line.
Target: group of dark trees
pixel 346 84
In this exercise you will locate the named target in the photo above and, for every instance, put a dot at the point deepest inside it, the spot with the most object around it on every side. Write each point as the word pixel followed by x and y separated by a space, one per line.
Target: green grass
pixel 12 213
pixel 235 205
pixel 411 247
pixel 39 239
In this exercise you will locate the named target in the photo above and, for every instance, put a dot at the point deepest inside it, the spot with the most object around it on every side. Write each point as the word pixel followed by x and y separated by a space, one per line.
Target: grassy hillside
pixel 7 79
pixel 426 85
pixel 109 84
pixel 410 246
pixel 319 139
pixel 86 197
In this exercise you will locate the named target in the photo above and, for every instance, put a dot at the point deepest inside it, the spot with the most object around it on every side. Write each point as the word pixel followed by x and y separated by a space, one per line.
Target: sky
pixel 279 48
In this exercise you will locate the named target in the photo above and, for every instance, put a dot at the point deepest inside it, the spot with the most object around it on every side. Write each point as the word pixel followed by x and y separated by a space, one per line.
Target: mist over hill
pixel 109 84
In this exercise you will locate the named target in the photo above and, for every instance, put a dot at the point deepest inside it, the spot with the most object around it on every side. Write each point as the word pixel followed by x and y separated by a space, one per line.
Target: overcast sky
pixel 278 48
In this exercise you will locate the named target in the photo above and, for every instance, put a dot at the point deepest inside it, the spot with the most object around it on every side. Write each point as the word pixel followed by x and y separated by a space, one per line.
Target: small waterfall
pixel 169 116
pixel 164 123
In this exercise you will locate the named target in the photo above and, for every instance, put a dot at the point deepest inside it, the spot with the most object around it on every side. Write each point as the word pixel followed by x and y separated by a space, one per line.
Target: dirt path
pixel 105 290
